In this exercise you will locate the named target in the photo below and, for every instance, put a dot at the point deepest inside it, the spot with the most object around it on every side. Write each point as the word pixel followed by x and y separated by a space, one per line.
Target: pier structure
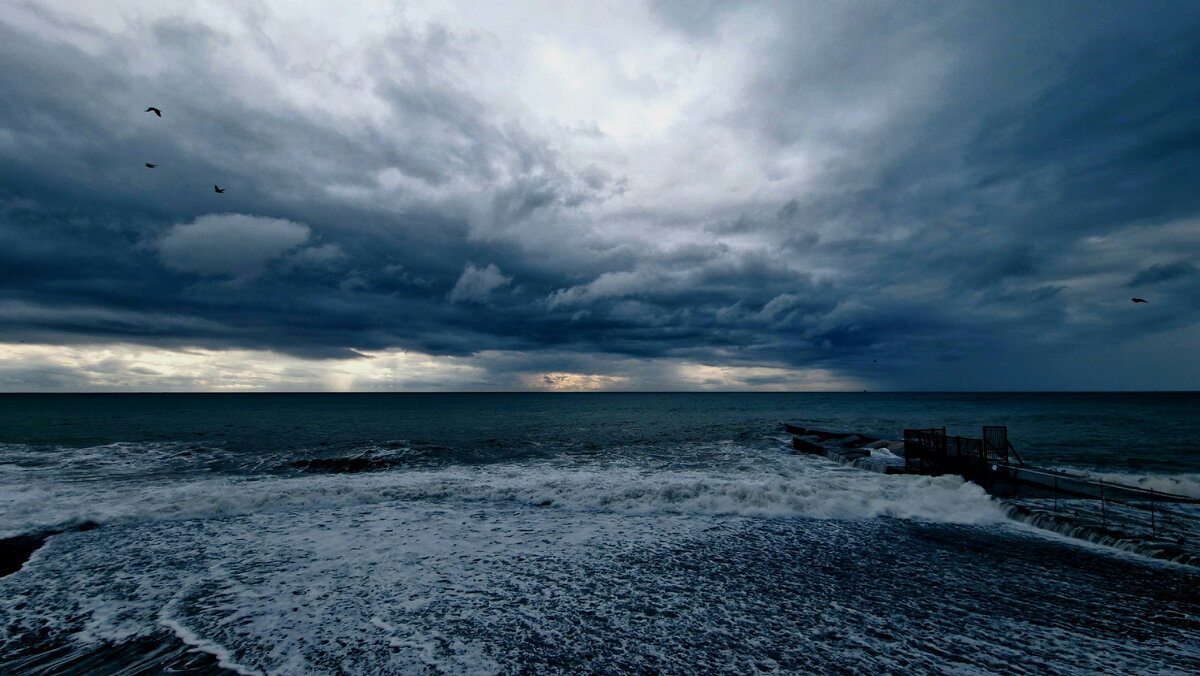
pixel 1152 522
pixel 931 451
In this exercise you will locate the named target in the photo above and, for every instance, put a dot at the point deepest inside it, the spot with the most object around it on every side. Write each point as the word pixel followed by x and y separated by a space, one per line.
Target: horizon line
pixel 1048 391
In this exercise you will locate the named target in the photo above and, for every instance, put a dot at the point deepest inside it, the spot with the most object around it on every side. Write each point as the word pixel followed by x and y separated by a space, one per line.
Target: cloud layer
pixel 652 195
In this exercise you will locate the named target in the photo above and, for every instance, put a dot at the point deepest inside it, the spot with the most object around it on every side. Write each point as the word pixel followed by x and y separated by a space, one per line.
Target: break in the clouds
pixel 640 195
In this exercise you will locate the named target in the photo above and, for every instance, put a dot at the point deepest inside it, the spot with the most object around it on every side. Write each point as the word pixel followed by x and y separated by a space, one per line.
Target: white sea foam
pixel 485 569
pixel 791 486
pixel 475 587
pixel 1178 484
pixel 224 658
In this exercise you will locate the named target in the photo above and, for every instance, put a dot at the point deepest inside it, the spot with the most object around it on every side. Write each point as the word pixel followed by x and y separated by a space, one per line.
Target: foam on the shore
pixel 509 587
pixel 221 653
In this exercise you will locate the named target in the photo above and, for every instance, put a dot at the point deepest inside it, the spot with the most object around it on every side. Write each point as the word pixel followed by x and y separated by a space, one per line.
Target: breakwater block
pixel 806 446
pixel 15 551
pixel 860 450
pixel 825 435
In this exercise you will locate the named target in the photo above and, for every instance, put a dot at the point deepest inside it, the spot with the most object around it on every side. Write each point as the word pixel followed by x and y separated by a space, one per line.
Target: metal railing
pixel 931 450
pixel 1116 506
pixel 1111 506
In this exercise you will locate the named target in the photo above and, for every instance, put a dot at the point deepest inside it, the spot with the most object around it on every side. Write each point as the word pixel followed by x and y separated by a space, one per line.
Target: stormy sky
pixel 616 196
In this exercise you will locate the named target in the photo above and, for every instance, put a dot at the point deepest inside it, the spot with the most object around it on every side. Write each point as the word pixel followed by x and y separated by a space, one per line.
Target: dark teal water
pixel 1152 432
pixel 569 534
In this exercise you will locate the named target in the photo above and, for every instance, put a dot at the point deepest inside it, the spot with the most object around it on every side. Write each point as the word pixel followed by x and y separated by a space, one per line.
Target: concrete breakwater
pixel 860 450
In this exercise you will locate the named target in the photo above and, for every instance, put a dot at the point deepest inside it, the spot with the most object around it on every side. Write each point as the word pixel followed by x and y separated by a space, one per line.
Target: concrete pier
pixel 1146 521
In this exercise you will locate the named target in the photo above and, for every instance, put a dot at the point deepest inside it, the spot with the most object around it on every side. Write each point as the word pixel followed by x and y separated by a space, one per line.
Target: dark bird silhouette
pixel 1140 300
pixel 154 110
pixel 216 189
pixel 150 166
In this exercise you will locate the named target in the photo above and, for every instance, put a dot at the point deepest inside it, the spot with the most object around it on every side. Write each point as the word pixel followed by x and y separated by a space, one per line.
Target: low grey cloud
pixel 476 284
pixel 234 245
pixel 1163 272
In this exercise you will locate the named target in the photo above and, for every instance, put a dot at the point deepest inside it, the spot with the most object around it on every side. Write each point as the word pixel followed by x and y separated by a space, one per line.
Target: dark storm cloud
pixel 987 180
pixel 974 159
pixel 1163 272
pixel 87 226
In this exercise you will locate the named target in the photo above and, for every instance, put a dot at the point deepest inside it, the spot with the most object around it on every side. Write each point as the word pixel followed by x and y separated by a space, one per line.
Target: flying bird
pixel 150 166
pixel 216 189
pixel 154 110
pixel 1140 300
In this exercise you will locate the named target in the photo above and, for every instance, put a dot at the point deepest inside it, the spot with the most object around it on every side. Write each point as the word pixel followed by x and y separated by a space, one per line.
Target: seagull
pixel 215 188
pixel 150 166
pixel 154 110
pixel 1140 300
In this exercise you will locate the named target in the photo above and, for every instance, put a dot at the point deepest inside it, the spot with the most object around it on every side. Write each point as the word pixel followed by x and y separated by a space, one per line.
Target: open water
pixel 588 533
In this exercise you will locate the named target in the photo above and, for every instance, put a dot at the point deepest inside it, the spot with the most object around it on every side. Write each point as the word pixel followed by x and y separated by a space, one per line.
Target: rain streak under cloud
pixel 591 196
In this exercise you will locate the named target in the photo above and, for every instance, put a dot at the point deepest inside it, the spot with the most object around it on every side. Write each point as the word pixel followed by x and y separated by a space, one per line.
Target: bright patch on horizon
pixel 764 378
pixel 126 367
pixel 574 382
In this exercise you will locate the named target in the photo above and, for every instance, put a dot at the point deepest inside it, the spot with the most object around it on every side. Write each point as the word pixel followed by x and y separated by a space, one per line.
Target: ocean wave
pixel 797 487
pixel 110 460
pixel 371 459
pixel 1187 485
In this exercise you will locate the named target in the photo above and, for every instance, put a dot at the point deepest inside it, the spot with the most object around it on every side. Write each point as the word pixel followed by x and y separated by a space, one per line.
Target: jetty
pixel 1147 521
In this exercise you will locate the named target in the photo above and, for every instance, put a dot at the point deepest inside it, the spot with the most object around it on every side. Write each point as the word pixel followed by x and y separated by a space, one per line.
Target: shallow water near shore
pixel 655 533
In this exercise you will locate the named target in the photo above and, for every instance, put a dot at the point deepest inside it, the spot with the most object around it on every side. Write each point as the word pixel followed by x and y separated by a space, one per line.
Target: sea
pixel 590 533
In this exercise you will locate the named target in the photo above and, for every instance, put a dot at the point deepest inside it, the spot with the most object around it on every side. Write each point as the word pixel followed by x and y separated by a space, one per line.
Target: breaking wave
pixel 793 487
